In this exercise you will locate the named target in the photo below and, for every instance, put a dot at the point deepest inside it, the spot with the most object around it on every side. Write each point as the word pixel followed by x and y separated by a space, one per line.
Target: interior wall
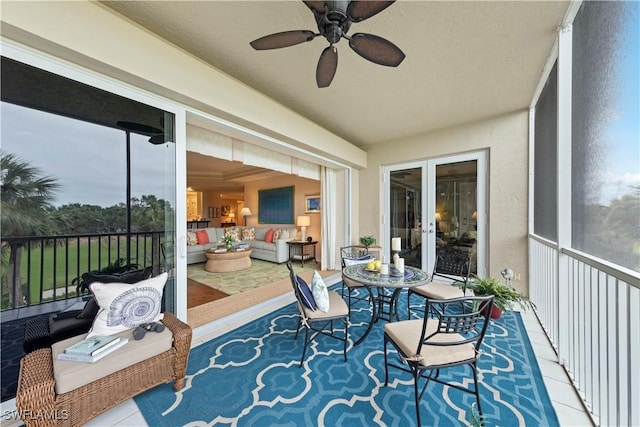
pixel 505 137
pixel 303 187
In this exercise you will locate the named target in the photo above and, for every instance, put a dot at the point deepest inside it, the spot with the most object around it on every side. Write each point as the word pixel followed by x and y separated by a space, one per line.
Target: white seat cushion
pixel 71 375
pixel 406 335
pixel 438 290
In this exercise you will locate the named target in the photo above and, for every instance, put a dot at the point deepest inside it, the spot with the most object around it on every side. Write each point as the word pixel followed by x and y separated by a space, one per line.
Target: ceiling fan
pixel 334 19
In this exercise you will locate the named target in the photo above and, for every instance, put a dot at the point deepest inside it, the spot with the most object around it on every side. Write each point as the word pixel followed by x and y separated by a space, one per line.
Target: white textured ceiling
pixel 465 61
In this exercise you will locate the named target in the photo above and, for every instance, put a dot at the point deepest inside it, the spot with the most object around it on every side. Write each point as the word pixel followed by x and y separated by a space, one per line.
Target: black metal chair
pixel 317 322
pixel 451 267
pixel 448 339
pixel 350 255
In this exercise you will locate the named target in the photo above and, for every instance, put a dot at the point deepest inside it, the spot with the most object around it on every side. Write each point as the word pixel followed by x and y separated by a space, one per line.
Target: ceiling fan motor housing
pixel 334 23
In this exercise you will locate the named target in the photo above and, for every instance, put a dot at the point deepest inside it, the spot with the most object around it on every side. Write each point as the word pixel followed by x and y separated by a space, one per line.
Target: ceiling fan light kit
pixel 334 19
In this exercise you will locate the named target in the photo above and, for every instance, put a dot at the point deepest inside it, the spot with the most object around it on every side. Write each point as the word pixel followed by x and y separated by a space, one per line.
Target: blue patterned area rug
pixel 250 377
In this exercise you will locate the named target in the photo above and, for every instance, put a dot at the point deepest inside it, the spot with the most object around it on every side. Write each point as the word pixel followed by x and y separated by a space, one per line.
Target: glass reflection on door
pixel 456 209
pixel 406 214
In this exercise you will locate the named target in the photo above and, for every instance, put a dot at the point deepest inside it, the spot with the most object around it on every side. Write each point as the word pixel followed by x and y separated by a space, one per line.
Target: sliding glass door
pixel 437 205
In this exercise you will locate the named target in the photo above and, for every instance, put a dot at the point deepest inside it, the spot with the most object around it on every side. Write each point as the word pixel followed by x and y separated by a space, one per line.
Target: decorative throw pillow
pixel 124 306
pixel 277 234
pixel 202 237
pixel 285 235
pixel 249 233
pixel 192 239
pixel 233 232
pixel 269 236
pixel 305 294
pixel 320 292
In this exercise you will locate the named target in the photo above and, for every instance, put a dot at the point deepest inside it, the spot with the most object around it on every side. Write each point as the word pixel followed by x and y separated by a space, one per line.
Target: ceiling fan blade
pixel 376 49
pixel 316 6
pixel 283 39
pixel 327 66
pixel 361 10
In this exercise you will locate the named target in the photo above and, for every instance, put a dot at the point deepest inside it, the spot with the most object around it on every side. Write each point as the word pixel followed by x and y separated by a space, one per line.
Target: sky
pixel 91 168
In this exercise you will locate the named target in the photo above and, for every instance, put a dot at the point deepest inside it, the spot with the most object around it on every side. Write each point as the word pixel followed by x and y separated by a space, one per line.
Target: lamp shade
pixel 474 215
pixel 303 221
pixel 438 216
pixel 245 212
pixel 232 215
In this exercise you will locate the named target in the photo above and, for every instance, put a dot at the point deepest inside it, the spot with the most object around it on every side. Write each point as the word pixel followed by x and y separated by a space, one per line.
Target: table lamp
pixel 303 222
pixel 231 216
pixel 245 212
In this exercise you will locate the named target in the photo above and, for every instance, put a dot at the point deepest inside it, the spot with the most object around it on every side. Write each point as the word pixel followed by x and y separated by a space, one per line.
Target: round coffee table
pixel 225 262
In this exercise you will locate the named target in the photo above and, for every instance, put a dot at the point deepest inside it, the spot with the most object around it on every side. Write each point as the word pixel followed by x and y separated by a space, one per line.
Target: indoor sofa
pixel 276 251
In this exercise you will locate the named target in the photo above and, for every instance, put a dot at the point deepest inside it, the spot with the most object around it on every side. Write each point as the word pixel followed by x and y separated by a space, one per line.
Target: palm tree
pixel 25 199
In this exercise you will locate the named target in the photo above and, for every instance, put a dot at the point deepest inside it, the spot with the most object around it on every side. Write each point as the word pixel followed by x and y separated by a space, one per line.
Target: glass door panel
pixel 456 208
pixel 405 203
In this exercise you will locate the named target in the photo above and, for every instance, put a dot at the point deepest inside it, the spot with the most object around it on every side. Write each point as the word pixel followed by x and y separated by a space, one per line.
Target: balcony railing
pixel 49 264
pixel 591 313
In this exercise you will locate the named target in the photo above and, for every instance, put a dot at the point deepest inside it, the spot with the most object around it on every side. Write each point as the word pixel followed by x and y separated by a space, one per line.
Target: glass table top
pixel 412 277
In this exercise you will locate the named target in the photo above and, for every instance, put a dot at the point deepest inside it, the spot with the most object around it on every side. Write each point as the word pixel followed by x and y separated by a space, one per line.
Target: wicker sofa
pixel 277 251
pixel 37 398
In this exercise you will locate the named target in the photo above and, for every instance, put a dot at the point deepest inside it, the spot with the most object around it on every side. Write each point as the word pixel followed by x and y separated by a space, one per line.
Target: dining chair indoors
pixel 449 267
pixel 351 255
pixel 315 321
pixel 448 339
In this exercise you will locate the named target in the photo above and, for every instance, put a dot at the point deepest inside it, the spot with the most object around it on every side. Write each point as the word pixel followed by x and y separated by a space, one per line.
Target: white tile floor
pixel 565 400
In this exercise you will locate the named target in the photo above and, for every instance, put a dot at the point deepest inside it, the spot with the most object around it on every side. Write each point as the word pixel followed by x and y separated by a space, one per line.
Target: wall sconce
pixel 245 212
pixel 303 222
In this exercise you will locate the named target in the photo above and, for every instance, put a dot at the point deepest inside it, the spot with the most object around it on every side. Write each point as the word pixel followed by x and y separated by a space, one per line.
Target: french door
pixel 437 204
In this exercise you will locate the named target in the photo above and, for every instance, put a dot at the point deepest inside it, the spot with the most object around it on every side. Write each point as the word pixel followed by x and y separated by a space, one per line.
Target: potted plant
pixel 367 241
pixel 504 296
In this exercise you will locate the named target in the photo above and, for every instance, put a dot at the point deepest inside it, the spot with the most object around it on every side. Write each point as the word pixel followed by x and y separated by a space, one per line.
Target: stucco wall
pixel 505 138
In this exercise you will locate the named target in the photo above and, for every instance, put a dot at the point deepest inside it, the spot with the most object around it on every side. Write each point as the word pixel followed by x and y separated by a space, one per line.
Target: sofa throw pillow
pixel 268 237
pixel 277 234
pixel 202 237
pixel 320 292
pixel 124 306
pixel 233 232
pixel 284 235
pixel 249 233
pixel 192 239
pixel 305 294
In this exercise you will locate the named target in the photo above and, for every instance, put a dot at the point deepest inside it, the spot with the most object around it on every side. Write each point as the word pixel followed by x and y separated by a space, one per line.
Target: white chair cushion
pixel 406 335
pixel 438 290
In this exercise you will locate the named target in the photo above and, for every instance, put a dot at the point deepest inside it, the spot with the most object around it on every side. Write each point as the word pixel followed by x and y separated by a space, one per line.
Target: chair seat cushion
pixel 71 375
pixel 438 290
pixel 406 335
pixel 337 308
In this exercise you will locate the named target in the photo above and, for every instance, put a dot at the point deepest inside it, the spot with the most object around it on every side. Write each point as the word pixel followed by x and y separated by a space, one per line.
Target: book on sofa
pixel 96 354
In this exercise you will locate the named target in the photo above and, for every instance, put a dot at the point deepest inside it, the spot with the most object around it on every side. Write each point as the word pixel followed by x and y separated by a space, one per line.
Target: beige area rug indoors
pixel 246 288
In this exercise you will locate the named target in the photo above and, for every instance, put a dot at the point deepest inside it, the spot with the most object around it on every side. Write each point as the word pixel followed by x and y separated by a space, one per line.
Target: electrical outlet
pixel 517 277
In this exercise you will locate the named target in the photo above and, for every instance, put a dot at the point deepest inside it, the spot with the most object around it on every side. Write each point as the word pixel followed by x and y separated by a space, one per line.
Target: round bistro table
pixel 224 262
pixel 373 280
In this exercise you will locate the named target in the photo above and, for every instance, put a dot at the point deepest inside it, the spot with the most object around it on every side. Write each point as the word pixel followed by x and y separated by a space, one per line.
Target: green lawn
pixel 59 266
